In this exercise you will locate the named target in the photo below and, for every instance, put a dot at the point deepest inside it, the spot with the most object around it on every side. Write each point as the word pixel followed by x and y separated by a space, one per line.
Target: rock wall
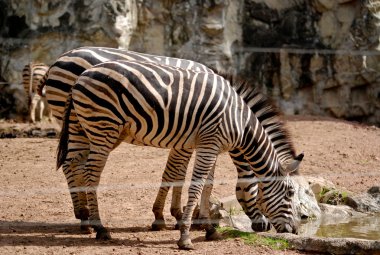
pixel 321 56
pixel 314 57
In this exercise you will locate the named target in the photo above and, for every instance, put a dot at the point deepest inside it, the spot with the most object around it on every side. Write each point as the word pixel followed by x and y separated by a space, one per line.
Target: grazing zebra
pixel 58 82
pixel 31 76
pixel 167 107
pixel 61 77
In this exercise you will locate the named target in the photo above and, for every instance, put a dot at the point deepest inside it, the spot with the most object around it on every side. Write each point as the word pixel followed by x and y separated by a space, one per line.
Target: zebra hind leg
pixel 94 166
pixel 182 158
pixel 78 150
pixel 173 176
pixel 73 171
pixel 32 109
pixel 41 108
pixel 158 206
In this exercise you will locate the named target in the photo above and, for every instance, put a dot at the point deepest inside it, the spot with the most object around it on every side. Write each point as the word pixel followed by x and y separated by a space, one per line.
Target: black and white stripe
pixel 146 103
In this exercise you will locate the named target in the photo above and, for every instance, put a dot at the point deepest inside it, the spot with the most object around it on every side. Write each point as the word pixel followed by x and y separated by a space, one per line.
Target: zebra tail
pixel 41 84
pixel 62 149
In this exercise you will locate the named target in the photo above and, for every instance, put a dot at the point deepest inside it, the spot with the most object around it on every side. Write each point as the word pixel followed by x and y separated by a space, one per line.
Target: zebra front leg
pixel 204 212
pixel 246 187
pixel 259 223
pixel 173 176
pixel 204 162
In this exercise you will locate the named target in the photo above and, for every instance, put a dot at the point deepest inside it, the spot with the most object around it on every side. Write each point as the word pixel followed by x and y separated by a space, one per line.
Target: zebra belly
pixel 131 135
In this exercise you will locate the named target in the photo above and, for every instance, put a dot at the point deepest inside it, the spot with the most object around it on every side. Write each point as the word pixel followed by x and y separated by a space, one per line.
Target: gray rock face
pixel 312 57
pixel 367 202
pixel 339 78
pixel 305 200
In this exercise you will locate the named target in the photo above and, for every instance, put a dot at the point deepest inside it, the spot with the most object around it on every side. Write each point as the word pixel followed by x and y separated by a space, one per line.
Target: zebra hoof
pixel 103 234
pixel 158 225
pixel 197 226
pixel 85 229
pixel 212 235
pixel 185 244
pixel 82 214
pixel 260 227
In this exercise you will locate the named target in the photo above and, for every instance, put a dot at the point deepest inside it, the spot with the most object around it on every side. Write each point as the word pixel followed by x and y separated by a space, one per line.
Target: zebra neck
pixel 259 151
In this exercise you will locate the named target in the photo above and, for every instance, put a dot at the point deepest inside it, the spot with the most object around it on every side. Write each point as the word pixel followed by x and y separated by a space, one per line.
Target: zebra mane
pixel 267 114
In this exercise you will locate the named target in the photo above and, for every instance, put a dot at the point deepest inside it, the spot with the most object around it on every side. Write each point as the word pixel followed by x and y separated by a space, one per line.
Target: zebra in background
pixel 61 78
pixel 167 107
pixel 31 76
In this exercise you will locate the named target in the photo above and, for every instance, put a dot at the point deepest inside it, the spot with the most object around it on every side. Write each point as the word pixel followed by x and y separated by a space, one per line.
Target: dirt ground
pixel 36 215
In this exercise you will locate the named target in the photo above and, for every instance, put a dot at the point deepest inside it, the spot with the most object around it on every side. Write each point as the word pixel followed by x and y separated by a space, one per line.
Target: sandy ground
pixel 36 215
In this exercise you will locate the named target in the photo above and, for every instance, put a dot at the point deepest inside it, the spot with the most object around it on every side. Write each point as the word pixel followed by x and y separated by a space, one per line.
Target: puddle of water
pixel 367 227
pixel 336 225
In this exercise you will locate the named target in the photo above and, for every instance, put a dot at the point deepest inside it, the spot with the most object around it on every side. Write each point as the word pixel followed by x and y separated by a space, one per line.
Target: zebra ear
pixel 292 167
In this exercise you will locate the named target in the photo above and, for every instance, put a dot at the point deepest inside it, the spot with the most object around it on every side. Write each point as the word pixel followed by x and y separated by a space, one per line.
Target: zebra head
pixel 276 201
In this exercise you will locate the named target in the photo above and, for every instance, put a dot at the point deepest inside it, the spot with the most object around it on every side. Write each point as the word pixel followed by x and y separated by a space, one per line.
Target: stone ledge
pixel 329 245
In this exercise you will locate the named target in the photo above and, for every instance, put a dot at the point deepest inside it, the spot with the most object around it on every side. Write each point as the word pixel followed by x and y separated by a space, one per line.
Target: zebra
pixel 58 82
pixel 123 100
pixel 61 77
pixel 32 73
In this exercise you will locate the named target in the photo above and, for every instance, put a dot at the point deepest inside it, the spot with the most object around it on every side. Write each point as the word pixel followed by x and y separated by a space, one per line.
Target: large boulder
pixel 306 203
pixel 366 202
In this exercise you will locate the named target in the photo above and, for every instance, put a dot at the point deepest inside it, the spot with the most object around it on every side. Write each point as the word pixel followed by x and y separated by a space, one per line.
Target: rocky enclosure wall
pixel 313 57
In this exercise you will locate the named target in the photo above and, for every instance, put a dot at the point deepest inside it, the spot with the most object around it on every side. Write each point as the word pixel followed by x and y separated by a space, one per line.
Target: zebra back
pixel 66 69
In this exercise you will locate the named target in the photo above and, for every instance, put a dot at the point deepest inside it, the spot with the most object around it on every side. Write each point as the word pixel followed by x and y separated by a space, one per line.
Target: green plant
pixel 234 211
pixel 254 239
pixel 324 191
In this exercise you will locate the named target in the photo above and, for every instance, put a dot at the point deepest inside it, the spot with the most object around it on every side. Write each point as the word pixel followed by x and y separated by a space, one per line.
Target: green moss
pixel 335 198
pixel 254 239
pixel 324 191
pixel 234 211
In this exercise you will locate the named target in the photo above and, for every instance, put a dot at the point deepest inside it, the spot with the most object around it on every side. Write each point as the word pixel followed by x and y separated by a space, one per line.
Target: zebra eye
pixel 290 192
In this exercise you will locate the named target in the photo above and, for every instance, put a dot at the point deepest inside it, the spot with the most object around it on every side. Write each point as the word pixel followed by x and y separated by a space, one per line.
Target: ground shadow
pixel 16 233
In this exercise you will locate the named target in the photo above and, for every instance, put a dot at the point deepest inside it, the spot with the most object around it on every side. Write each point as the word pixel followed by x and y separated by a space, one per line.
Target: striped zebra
pixel 31 76
pixel 167 107
pixel 61 77
pixel 58 82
